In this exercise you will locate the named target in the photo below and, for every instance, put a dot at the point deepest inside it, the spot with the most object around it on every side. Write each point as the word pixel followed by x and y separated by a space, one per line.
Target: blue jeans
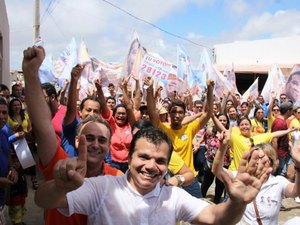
pixel 283 164
pixel 194 189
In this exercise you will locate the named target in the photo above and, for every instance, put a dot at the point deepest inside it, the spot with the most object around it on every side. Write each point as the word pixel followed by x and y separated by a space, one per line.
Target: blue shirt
pixel 68 138
pixel 6 138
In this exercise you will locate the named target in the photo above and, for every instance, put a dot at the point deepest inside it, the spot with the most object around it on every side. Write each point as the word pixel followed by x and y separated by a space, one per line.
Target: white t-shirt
pixel 268 202
pixel 112 200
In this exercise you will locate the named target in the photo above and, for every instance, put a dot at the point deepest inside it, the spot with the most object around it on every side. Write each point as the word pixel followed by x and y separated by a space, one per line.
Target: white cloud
pixel 282 23
pixel 107 31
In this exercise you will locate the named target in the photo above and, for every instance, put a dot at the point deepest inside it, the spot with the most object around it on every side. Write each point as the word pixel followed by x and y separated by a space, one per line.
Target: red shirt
pixel 53 216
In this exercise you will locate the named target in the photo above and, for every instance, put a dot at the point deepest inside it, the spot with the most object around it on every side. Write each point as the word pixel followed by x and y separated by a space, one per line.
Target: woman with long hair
pixel 242 139
pixel 258 121
pixel 211 138
pixel 19 124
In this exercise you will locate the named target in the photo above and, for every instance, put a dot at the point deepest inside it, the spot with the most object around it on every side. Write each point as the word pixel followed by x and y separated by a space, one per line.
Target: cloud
pixel 107 31
pixel 282 23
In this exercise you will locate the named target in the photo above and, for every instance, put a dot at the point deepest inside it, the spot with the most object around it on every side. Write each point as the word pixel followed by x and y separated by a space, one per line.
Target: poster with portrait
pixel 292 86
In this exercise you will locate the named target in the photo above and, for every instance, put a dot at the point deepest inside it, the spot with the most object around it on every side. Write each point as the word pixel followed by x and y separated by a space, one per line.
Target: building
pixel 4 45
pixel 252 59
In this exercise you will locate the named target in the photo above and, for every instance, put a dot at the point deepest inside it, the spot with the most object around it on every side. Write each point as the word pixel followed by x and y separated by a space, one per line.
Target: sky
pixel 107 30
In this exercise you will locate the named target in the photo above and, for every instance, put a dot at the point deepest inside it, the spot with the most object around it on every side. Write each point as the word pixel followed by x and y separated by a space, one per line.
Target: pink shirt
pixel 120 140
pixel 57 120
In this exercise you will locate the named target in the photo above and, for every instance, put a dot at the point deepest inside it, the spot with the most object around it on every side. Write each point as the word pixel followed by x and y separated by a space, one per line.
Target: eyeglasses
pixel 275 110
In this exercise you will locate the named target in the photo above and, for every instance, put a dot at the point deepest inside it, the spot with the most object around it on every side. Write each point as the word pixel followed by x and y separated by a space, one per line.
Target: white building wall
pixel 4 46
pixel 282 51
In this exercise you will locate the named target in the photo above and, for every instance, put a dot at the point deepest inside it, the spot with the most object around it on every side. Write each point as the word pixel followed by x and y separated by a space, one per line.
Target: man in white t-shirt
pixel 141 196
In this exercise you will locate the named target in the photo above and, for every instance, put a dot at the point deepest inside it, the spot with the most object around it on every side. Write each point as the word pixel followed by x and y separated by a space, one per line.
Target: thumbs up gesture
pixel 69 173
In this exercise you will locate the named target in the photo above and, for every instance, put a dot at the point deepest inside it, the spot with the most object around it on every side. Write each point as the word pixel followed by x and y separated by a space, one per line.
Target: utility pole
pixel 36 26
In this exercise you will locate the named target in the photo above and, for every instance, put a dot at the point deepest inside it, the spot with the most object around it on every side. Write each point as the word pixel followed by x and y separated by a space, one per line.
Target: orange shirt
pixel 53 216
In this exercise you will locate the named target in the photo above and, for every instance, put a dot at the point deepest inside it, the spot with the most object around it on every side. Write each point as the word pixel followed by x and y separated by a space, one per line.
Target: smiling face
pixel 244 108
pixel 90 107
pixel 245 127
pixel 16 106
pixel 259 114
pixel 121 116
pixel 97 139
pixel 148 165
pixel 275 111
pixel 223 120
pixel 292 87
pixel 232 113
pixel 176 115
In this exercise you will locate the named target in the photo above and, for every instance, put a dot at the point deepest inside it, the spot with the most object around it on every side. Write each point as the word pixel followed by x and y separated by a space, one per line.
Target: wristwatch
pixel 180 180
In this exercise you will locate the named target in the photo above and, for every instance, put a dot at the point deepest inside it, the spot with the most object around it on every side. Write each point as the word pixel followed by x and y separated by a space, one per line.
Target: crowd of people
pixel 132 157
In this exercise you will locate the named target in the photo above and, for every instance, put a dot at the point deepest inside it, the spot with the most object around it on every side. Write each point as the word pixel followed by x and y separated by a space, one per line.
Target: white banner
pixel 155 67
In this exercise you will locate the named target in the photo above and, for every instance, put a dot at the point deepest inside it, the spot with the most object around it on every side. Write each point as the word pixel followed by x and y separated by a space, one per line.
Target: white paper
pixel 23 152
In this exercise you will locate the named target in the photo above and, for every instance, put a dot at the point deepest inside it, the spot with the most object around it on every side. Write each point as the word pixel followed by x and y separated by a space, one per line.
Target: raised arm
pixel 209 104
pixel 151 105
pixel 242 190
pixel 217 167
pixel 38 109
pixel 189 119
pixel 137 98
pixel 62 94
pixel 68 175
pixel 279 133
pixel 105 111
pixel 270 106
pixel 73 95
pixel 127 101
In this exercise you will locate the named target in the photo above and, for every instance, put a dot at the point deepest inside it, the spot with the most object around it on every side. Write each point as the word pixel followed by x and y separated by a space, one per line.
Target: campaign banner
pixel 155 67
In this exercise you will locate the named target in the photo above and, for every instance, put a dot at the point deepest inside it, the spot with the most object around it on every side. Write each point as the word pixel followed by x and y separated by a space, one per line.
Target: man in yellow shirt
pixel 181 135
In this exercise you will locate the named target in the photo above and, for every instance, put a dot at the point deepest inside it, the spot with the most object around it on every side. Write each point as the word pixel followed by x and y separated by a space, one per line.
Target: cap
pixel 285 106
pixel 163 110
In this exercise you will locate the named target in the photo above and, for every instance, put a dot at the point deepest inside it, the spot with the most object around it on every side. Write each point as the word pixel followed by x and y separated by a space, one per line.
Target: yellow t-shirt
pixel 182 140
pixel 270 122
pixel 240 144
pixel 13 123
pixel 294 123
pixel 176 163
pixel 257 127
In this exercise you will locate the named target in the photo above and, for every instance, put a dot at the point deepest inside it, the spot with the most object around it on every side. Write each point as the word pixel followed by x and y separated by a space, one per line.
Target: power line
pixel 155 26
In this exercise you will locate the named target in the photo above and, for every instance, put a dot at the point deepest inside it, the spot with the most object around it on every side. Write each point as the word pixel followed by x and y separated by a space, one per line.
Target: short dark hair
pixel 198 102
pixel 50 89
pixel 96 119
pixel 141 124
pixel 153 135
pixel 110 97
pixel 111 85
pixel 3 87
pixel 243 117
pixel 92 98
pixel 3 101
pixel 177 102
pixel 15 85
